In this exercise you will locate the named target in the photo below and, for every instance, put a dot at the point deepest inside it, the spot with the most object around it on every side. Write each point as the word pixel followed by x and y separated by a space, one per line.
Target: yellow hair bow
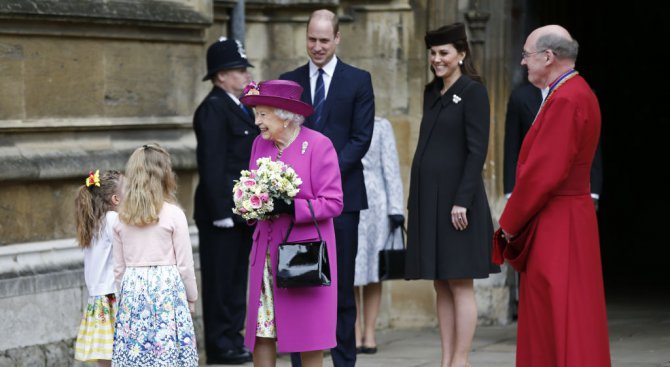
pixel 93 178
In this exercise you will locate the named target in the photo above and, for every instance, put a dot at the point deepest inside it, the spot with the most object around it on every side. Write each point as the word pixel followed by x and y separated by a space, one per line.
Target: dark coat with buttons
pixel 224 135
pixel 447 171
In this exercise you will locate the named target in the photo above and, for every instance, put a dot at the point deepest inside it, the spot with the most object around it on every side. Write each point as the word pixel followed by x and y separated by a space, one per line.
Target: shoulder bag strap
pixel 391 237
pixel 311 210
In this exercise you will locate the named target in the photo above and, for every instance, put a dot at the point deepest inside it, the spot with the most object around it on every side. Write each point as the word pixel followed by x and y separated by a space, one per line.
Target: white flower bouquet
pixel 256 190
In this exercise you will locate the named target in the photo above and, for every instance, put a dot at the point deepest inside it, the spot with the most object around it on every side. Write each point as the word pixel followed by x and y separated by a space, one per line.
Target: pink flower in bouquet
pixel 254 192
pixel 255 201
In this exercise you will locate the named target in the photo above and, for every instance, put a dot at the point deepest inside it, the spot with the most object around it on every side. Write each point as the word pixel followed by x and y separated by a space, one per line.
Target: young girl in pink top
pixel 153 265
pixel 95 215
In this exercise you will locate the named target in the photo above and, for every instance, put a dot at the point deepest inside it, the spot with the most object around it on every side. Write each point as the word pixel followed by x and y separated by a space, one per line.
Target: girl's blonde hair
pixel 91 204
pixel 149 182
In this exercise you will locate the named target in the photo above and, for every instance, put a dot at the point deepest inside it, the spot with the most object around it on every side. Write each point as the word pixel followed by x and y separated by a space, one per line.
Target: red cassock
pixel 562 317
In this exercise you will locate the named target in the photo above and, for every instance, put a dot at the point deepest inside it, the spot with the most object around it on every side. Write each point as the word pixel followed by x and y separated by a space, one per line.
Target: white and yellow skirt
pixel 95 339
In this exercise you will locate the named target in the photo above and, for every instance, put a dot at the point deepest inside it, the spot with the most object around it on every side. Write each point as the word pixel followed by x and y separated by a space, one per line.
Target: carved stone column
pixel 476 21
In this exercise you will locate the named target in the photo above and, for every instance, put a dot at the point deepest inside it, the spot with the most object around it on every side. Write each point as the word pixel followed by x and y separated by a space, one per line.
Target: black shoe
pixel 368 350
pixel 230 356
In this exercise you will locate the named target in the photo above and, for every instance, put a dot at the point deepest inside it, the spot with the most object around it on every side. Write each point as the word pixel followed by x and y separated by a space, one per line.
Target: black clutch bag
pixel 303 264
pixel 392 261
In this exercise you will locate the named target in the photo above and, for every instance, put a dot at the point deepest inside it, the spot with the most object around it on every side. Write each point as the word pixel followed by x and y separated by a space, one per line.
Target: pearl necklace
pixel 280 151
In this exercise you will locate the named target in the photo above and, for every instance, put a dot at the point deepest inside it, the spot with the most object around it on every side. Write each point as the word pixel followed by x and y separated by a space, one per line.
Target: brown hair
pixel 91 204
pixel 468 67
pixel 149 183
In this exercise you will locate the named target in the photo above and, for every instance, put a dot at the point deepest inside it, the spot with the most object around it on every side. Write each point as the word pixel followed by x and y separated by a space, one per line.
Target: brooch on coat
pixel 304 147
pixel 456 99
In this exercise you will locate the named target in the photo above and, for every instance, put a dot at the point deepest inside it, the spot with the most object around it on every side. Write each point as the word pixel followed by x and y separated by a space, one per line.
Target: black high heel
pixel 368 350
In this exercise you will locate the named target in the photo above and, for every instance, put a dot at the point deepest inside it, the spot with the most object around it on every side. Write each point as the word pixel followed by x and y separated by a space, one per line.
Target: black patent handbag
pixel 392 261
pixel 303 264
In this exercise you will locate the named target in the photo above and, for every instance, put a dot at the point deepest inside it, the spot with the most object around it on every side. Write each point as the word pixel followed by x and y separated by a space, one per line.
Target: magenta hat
pixel 284 94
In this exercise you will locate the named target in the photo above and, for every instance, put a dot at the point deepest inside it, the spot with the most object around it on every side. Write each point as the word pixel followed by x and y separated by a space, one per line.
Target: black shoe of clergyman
pixel 230 356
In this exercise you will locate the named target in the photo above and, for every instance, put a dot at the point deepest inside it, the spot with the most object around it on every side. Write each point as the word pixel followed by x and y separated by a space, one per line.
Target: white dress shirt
pixel 328 71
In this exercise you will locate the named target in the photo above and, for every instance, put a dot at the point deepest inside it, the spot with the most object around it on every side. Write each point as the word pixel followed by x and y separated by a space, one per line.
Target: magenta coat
pixel 305 318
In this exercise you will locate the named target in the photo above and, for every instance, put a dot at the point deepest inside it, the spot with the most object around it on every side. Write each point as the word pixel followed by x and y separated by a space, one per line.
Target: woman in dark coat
pixel 450 227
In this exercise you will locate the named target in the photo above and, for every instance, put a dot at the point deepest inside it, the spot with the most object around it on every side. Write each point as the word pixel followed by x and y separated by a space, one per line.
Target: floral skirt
pixel 96 331
pixel 153 325
pixel 265 325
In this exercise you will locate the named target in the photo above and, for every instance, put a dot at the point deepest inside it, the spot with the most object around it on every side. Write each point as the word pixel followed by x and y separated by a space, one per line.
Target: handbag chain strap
pixel 403 232
pixel 311 210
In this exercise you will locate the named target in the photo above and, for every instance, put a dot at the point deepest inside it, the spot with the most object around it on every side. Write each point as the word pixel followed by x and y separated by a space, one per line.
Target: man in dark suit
pixel 522 107
pixel 225 131
pixel 343 100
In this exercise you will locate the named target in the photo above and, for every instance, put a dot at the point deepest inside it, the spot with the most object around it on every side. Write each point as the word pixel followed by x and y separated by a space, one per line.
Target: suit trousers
pixel 224 265
pixel 346 236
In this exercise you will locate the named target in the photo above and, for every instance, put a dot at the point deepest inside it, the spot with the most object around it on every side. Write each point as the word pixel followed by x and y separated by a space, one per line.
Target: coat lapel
pixel 436 103
pixel 235 108
pixel 303 80
pixel 336 83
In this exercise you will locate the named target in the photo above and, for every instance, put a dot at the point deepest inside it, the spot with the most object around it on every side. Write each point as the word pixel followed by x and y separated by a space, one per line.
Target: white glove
pixel 224 223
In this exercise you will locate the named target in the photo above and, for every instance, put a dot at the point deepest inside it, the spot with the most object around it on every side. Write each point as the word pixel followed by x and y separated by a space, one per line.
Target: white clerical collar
pixel 329 68
pixel 544 91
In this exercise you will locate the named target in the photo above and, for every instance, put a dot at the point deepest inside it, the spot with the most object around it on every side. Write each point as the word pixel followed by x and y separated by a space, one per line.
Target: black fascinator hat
pixel 445 34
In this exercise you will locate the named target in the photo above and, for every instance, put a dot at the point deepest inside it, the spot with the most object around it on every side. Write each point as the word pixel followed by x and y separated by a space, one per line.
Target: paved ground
pixel 639 326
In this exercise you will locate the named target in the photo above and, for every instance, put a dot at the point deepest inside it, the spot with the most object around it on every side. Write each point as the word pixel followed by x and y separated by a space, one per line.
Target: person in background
pixel 95 215
pixel 299 320
pixel 343 100
pixel 446 187
pixel 153 268
pixel 224 131
pixel 379 228
pixel 562 317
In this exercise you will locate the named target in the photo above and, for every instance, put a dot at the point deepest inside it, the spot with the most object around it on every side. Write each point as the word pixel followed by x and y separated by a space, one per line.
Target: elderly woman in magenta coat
pixel 292 319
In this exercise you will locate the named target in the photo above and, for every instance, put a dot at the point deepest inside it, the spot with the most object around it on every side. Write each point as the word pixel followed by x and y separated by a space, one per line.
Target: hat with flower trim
pixel 284 94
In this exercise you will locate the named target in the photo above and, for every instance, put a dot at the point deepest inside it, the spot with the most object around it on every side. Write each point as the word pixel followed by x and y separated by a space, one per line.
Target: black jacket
pixel 224 134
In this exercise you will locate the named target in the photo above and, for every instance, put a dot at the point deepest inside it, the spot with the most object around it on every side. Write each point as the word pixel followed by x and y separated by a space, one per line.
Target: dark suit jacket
pixel 522 106
pixel 348 120
pixel 224 134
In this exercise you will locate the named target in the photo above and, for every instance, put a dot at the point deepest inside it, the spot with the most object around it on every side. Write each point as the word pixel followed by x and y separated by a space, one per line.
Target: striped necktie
pixel 319 99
